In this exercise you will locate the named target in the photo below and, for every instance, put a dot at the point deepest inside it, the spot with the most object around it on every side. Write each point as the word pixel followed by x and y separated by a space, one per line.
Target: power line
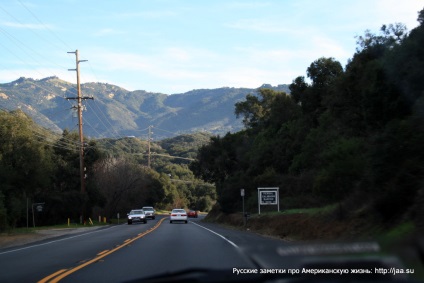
pixel 45 26
pixel 176 157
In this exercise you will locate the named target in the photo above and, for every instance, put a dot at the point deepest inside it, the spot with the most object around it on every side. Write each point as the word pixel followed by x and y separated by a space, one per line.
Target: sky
pixel 174 46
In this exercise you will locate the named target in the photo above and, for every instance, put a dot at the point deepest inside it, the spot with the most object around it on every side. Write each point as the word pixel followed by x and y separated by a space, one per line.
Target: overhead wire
pixel 174 133
pixel 37 132
pixel 49 90
pixel 105 118
pixel 63 143
pixel 32 54
pixel 45 26
pixel 24 47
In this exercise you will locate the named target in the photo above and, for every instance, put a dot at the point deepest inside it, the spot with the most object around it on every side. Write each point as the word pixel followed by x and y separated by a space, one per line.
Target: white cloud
pixel 159 62
pixel 27 26
pixel 261 25
pixel 163 14
pixel 328 47
pixel 108 32
pixel 247 5
pixel 262 42
pixel 406 11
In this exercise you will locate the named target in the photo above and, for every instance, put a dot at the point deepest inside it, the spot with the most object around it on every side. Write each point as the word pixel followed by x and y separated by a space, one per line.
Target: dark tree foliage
pixel 37 166
pixel 397 165
pixel 421 17
pixel 297 88
pixel 26 166
pixel 323 73
pixel 349 132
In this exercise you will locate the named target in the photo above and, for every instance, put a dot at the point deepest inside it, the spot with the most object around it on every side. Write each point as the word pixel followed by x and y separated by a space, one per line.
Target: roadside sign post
pixel 39 208
pixel 244 215
pixel 268 196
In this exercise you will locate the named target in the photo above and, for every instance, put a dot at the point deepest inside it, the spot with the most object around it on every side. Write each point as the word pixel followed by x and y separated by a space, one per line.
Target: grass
pixel 313 210
pixel 12 231
pixel 309 211
pixel 400 231
pixel 25 230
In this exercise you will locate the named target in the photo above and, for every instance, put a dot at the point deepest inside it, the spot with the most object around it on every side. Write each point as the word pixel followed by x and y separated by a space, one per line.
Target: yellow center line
pixel 51 276
pixel 102 252
pixel 65 272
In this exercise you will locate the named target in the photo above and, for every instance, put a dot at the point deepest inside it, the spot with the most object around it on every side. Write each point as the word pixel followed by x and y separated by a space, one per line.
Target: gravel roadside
pixel 14 240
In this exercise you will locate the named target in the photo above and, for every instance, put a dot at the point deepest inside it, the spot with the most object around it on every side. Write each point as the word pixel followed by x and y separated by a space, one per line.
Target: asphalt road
pixel 127 252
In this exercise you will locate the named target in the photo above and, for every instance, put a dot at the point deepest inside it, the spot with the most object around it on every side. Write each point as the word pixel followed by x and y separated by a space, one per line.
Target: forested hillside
pixel 112 111
pixel 349 136
pixel 39 166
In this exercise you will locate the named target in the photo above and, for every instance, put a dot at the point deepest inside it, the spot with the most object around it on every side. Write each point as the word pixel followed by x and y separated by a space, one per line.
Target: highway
pixel 121 253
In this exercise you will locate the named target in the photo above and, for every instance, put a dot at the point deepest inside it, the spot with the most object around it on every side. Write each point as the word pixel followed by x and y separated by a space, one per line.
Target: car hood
pixel 312 262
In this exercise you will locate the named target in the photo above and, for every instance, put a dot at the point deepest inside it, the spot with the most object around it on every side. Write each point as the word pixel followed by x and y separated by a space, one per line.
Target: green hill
pixel 117 112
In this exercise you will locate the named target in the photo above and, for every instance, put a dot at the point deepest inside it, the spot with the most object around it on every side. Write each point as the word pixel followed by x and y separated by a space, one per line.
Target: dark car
pixel 193 213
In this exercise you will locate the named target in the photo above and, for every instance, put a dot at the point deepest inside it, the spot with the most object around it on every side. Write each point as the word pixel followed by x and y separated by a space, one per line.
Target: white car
pixel 136 215
pixel 149 211
pixel 178 214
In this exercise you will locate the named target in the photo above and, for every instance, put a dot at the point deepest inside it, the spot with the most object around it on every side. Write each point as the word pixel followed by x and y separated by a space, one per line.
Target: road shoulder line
pixel 219 235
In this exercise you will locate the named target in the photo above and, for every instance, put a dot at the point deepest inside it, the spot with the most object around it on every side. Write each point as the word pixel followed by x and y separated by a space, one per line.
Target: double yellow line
pixel 59 275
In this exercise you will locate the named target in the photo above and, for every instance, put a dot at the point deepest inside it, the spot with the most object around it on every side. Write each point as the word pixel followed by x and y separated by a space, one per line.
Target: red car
pixel 192 213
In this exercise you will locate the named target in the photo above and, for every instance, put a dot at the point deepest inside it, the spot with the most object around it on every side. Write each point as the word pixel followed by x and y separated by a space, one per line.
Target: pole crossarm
pixel 83 97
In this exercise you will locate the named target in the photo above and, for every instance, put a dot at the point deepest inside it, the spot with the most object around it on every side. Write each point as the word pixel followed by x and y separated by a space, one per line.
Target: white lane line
pixel 231 243
pixel 55 241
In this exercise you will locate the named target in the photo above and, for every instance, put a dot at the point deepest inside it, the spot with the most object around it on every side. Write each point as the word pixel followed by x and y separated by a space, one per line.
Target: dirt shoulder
pixel 14 240
pixel 304 226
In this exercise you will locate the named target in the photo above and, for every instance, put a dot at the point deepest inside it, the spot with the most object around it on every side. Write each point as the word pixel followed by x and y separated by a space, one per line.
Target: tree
pixel 397 167
pixel 342 168
pixel 269 107
pixel 421 17
pixel 297 88
pixel 251 109
pixel 219 161
pixel 126 185
pixel 67 177
pixel 323 74
pixel 390 36
pixel 25 163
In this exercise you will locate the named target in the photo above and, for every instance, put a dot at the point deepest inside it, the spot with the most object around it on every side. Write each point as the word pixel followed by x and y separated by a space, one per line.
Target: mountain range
pixel 112 111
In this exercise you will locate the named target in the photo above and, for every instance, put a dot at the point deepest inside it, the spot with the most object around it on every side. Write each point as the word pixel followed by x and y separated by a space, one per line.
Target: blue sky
pixel 174 46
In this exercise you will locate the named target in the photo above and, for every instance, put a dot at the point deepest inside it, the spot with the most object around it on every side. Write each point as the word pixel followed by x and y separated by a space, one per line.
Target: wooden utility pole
pixel 148 145
pixel 79 99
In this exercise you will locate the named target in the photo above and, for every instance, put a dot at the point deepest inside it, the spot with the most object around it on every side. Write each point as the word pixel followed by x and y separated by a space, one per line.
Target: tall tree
pixel 25 163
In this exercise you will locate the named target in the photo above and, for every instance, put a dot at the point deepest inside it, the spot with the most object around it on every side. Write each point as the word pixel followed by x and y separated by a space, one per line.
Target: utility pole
pixel 79 99
pixel 148 145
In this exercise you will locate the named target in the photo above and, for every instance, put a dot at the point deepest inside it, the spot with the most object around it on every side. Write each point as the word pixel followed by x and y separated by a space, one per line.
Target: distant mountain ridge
pixel 117 112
